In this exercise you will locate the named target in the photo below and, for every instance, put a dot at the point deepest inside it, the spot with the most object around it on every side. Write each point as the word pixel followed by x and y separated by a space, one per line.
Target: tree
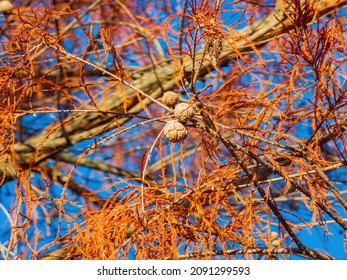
pixel 96 164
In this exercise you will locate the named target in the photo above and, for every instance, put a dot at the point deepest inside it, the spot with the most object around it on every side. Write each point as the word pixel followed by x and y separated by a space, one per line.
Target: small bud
pixel 276 243
pixel 175 131
pixel 129 232
pixel 5 6
pixel 170 98
pixel 273 235
pixel 184 112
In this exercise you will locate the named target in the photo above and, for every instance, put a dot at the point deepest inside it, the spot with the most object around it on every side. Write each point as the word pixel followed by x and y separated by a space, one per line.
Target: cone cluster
pixel 175 130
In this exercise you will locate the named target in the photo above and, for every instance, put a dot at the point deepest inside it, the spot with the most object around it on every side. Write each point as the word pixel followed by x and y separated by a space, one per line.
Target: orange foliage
pixel 83 158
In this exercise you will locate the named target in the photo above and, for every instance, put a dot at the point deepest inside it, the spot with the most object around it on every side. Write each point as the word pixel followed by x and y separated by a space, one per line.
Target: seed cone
pixel 174 131
pixel 184 112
